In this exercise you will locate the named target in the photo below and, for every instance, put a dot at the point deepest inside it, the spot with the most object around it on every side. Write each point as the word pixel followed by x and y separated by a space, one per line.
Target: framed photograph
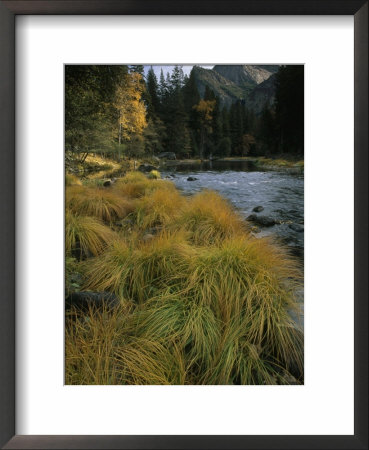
pixel 184 227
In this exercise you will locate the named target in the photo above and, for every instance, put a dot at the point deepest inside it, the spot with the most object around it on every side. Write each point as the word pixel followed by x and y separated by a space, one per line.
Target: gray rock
pixel 191 179
pixel 85 299
pixel 148 237
pixel 262 221
pixel 296 227
pixel 258 209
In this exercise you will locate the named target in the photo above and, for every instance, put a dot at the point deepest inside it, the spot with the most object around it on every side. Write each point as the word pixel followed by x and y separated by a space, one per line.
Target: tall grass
pixel 136 185
pixel 210 219
pixel 72 180
pixel 98 202
pixel 160 207
pixel 202 301
pixel 100 350
pixel 143 270
pixel 85 236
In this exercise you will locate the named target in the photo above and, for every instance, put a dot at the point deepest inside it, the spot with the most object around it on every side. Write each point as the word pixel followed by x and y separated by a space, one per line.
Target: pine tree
pixel 217 128
pixel 266 132
pixel 236 127
pixel 225 122
pixel 173 113
pixel 289 108
pixel 191 94
pixel 153 94
pixel 138 69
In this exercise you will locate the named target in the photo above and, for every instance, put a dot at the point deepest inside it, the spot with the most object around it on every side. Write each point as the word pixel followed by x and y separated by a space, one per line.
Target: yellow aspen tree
pixel 130 106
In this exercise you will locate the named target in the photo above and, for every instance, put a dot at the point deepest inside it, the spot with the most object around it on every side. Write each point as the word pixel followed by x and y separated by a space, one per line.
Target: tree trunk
pixel 120 135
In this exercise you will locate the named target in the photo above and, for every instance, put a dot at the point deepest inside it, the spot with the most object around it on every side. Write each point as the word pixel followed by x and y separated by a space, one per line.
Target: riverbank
pixel 192 297
pixel 262 163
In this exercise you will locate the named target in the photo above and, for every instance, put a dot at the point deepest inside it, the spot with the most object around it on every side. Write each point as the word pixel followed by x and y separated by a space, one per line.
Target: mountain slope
pixel 251 84
pixel 243 75
pixel 227 91
pixel 262 94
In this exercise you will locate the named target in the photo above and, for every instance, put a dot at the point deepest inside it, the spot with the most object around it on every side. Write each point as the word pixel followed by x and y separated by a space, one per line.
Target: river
pixel 280 193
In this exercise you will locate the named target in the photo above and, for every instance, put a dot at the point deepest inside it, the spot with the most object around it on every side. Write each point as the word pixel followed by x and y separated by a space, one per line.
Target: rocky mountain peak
pixel 245 75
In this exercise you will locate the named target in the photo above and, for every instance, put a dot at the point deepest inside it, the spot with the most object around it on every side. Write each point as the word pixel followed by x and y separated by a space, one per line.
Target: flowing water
pixel 280 193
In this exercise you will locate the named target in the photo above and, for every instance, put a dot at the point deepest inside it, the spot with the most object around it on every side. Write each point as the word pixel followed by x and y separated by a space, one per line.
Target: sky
pixel 186 69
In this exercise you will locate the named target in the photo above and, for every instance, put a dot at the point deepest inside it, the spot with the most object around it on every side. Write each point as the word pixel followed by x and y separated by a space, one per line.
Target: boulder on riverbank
pixel 108 183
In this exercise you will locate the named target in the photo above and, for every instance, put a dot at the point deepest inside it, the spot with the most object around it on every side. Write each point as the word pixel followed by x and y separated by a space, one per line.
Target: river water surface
pixel 281 194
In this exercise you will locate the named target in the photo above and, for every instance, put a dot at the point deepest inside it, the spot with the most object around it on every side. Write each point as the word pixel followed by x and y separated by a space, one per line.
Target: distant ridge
pixel 252 84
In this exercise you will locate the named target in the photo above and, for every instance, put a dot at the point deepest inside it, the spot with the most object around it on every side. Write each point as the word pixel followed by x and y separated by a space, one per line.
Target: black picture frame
pixel 8 11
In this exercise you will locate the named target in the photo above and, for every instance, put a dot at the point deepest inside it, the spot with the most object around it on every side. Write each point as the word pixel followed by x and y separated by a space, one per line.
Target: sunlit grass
pixel 136 184
pixel 99 350
pixel 101 203
pixel 160 207
pixel 141 271
pixel 86 236
pixel 72 180
pixel 210 219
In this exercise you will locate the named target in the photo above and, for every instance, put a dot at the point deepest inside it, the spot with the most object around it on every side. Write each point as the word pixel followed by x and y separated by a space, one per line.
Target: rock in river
pixel 258 209
pixel 191 179
pixel 296 227
pixel 262 221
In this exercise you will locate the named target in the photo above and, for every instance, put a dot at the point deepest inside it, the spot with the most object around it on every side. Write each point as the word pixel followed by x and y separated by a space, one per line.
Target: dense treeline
pixel 118 111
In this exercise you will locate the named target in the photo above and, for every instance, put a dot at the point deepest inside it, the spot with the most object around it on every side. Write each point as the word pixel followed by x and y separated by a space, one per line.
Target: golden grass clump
pixel 244 282
pixel 133 185
pixel 160 207
pixel 101 203
pixel 136 185
pixel 210 219
pixel 86 236
pixel 100 351
pixel 72 180
pixel 141 271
